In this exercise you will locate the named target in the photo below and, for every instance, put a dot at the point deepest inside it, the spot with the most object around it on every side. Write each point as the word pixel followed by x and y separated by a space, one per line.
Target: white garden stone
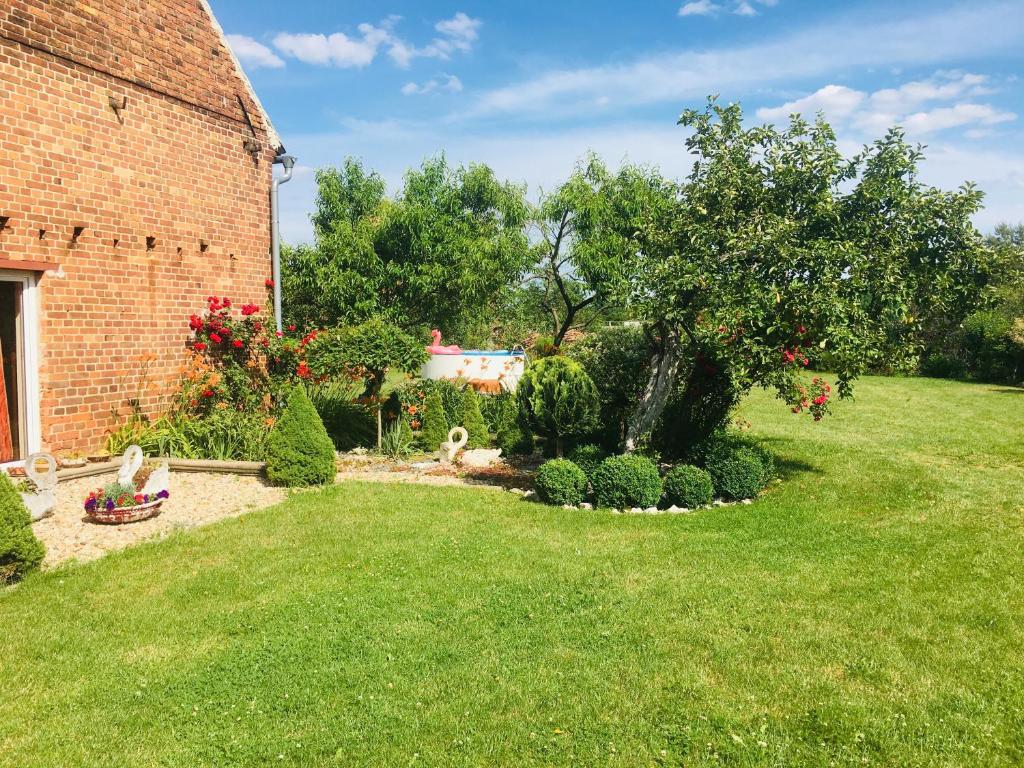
pixel 586 505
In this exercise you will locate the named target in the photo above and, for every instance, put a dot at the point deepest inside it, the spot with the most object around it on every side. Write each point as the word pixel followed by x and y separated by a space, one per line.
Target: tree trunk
pixel 663 372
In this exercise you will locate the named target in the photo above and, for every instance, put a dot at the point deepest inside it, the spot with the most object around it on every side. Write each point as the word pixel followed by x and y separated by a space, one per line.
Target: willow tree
pixel 775 251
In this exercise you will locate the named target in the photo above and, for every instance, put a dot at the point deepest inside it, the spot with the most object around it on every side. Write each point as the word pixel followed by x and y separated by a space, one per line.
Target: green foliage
pixel 222 434
pixel 617 358
pixel 560 481
pixel 557 399
pixel 588 457
pixel 299 451
pixel 409 398
pixel 20 550
pixel 368 350
pixel 511 438
pixel 434 255
pixel 491 407
pixel 472 421
pixel 396 442
pixel 993 345
pixel 775 231
pixel 349 423
pixel 739 475
pixel 725 445
pixel 435 423
pixel 627 481
pixel 689 486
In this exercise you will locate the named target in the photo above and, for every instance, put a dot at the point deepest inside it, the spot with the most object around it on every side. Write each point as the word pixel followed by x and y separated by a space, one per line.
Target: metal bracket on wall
pixel 117 103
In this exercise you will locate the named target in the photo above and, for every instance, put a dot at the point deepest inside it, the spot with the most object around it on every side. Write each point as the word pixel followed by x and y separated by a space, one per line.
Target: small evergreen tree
pixel 511 438
pixel 299 451
pixel 473 421
pixel 20 550
pixel 557 399
pixel 435 424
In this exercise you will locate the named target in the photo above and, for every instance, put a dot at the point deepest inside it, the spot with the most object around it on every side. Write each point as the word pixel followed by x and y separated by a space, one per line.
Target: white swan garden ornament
pixel 130 464
pixel 457 439
pixel 159 480
pixel 41 503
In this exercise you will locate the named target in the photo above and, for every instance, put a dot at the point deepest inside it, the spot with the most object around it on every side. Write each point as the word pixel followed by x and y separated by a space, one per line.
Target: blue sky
pixel 529 87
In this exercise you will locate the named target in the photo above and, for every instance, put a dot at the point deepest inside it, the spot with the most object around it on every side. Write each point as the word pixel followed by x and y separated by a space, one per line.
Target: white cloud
pixel 253 54
pixel 876 112
pixel 699 8
pixel 449 83
pixel 337 49
pixel 834 100
pixel 744 8
pixel 843 43
pixel 457 34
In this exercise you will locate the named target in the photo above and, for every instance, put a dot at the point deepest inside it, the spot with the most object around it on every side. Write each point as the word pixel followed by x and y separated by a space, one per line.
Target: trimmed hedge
pixel 689 486
pixel 299 451
pixel 740 476
pixel 435 423
pixel 559 481
pixel 20 550
pixel 472 421
pixel 588 458
pixel 627 481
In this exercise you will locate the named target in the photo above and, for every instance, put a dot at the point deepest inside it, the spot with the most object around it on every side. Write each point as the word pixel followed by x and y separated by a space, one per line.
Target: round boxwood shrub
pixel 588 457
pixel 739 476
pixel 299 452
pixel 435 423
pixel 557 399
pixel 627 481
pixel 559 481
pixel 689 486
pixel 20 550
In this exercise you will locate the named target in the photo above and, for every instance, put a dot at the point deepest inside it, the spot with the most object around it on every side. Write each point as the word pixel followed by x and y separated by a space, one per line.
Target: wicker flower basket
pixel 121 515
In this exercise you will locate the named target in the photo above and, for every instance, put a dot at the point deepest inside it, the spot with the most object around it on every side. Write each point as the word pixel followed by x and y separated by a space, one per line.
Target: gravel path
pixel 68 534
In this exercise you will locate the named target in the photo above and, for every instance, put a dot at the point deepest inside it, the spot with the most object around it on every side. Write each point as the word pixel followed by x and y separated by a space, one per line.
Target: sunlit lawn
pixel 867 611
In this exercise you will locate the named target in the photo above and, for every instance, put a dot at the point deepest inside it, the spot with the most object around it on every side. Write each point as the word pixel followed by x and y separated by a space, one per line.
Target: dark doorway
pixel 12 354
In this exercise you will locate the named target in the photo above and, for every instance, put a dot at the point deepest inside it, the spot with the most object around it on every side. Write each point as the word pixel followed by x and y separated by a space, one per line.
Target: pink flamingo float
pixel 437 349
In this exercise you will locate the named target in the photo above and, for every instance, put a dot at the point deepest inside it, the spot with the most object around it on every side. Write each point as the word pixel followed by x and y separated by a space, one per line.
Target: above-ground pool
pixel 481 368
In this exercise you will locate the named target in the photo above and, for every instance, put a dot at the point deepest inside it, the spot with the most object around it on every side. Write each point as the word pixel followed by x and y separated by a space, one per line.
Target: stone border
pixel 247 468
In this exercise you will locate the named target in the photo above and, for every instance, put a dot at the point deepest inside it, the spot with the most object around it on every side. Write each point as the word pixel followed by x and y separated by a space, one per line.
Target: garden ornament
pixel 130 464
pixel 457 439
pixel 437 349
pixel 159 480
pixel 41 503
pixel 480 457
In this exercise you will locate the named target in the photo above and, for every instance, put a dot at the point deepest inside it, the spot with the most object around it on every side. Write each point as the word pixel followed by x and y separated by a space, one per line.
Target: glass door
pixel 13 423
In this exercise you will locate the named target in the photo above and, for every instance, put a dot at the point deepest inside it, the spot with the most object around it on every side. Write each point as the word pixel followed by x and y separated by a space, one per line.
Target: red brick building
pixel 135 177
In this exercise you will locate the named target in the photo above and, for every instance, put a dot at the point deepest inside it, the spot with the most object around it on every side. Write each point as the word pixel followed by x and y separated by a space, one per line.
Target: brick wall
pixel 170 168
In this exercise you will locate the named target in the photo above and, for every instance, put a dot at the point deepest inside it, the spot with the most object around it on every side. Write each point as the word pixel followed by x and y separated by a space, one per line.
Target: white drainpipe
pixel 288 161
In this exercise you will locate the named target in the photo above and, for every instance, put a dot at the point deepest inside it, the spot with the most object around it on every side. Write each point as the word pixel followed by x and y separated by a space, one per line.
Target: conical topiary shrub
pixel 473 421
pixel 299 452
pixel 557 399
pixel 435 424
pixel 20 550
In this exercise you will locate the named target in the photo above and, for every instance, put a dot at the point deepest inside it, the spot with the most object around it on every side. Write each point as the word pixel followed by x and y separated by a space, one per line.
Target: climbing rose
pixel 249 309
pixel 199 346
pixel 237 344
pixel 269 283
pixel 207 393
pixel 215 338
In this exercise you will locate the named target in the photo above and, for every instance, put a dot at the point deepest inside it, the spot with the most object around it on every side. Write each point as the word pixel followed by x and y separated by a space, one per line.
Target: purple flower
pixel 163 494
pixel 109 504
pixel 90 505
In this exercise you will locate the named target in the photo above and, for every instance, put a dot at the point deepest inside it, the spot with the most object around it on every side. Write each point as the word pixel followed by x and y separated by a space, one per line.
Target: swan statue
pixel 159 481
pixel 41 503
pixel 457 439
pixel 438 349
pixel 130 464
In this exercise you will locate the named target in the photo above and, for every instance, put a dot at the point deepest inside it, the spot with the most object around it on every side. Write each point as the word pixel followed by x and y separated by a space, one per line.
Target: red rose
pixel 215 338
pixel 291 327
pixel 237 344
pixel 199 346
pixel 303 371
pixel 269 283
pixel 195 323
pixel 249 309
pixel 207 393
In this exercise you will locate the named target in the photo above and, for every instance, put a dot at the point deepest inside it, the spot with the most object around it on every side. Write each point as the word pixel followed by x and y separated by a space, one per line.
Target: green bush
pixel 726 444
pixel 689 486
pixel 435 424
pixel 617 358
pixel 557 399
pixel 627 481
pixel 741 476
pixel 471 420
pixel 396 442
pixel 299 451
pixel 350 424
pixel 491 407
pixel 414 393
pixel 560 481
pixel 511 438
pixel 588 458
pixel 20 550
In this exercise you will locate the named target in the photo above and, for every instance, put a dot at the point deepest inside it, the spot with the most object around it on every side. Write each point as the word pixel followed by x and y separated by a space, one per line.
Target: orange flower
pixel 412 410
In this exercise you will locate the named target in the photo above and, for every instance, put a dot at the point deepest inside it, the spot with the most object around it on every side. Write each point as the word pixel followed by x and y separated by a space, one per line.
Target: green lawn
pixel 868 611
